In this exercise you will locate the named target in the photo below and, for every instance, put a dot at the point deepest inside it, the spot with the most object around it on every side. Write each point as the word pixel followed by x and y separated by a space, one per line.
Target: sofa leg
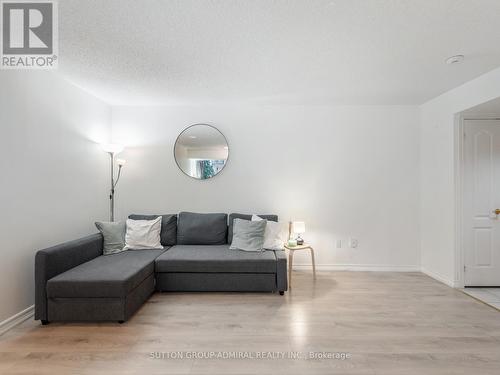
pixel 121 321
pixel 282 293
pixel 44 322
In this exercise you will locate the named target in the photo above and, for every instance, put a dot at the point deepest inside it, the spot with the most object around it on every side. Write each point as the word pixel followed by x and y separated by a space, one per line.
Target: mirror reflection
pixel 201 151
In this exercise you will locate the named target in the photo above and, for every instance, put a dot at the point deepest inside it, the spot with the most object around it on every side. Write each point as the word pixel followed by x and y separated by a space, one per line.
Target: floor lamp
pixel 113 149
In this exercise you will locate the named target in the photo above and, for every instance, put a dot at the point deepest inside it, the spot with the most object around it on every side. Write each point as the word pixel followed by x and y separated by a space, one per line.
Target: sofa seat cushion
pixel 214 258
pixel 114 275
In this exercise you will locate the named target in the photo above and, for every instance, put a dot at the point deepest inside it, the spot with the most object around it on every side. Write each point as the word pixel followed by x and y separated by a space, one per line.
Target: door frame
pixel 459 150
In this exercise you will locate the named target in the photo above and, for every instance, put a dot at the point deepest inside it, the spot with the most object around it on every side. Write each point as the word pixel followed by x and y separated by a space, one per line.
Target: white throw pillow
pixel 143 234
pixel 274 234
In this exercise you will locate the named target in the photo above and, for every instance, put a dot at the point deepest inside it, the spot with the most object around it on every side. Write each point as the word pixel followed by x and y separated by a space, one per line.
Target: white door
pixel 481 199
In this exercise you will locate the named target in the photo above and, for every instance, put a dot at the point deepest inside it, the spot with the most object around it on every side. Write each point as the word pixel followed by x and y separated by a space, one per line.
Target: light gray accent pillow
pixel 114 236
pixel 248 235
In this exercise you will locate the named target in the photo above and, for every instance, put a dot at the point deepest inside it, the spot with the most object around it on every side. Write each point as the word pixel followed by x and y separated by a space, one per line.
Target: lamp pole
pixel 112 191
pixel 114 182
pixel 112 150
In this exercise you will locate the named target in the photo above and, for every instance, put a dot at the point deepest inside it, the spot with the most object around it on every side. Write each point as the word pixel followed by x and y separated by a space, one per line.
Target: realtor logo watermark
pixel 29 37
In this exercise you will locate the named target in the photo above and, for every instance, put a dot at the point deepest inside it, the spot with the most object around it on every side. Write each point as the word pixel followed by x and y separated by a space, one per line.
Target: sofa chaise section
pixel 55 260
pixel 104 288
pixel 110 287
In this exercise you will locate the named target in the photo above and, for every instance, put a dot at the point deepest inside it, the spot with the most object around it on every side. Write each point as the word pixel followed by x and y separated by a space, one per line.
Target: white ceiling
pixel 275 51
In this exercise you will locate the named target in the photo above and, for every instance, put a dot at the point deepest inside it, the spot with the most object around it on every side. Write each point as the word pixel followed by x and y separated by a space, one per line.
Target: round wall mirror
pixel 201 151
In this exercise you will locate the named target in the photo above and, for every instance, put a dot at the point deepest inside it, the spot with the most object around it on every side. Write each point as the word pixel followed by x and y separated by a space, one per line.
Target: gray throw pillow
pixel 245 217
pixel 248 235
pixel 114 236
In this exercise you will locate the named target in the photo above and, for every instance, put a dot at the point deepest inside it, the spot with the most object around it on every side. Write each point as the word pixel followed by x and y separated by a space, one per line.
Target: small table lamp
pixel 299 227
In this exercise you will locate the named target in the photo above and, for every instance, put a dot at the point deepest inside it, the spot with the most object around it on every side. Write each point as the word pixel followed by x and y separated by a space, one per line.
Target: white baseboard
pixel 14 320
pixel 438 277
pixel 357 267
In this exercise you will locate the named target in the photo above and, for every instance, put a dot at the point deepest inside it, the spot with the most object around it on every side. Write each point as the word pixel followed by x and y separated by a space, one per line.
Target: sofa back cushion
pixel 244 217
pixel 168 234
pixel 201 229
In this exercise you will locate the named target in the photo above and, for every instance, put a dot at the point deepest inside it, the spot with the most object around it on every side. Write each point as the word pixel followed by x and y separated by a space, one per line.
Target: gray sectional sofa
pixel 74 281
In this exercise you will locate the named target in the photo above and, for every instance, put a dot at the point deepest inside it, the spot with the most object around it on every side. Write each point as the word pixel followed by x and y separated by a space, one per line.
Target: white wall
pixel 346 171
pixel 349 171
pixel 437 187
pixel 53 173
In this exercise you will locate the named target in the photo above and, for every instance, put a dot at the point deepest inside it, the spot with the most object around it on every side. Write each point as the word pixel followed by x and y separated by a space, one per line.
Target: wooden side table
pixel 291 250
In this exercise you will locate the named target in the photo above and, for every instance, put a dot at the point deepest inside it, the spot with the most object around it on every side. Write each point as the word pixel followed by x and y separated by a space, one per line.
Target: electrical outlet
pixel 338 244
pixel 353 243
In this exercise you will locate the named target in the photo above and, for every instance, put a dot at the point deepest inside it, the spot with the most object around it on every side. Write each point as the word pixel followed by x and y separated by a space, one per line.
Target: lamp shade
pixel 112 148
pixel 121 162
pixel 299 227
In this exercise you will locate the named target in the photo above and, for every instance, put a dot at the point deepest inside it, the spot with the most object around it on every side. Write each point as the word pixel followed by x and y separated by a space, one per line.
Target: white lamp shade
pixel 112 148
pixel 121 162
pixel 299 227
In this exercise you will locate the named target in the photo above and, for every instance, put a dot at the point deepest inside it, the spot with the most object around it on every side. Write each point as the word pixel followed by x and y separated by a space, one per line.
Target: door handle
pixel 497 211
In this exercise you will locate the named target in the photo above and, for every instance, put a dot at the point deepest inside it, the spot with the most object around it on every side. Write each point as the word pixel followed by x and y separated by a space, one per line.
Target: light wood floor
pixel 390 323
